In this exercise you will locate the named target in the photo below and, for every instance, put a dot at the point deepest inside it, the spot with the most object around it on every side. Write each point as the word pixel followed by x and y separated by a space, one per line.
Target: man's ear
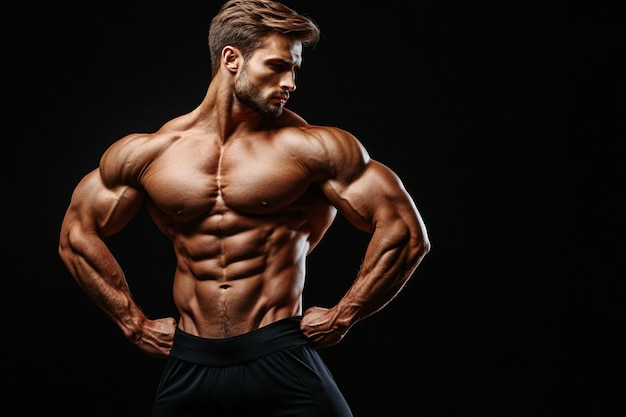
pixel 231 58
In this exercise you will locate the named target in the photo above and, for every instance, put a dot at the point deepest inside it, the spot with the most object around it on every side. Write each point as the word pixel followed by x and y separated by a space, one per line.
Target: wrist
pixel 344 316
pixel 132 324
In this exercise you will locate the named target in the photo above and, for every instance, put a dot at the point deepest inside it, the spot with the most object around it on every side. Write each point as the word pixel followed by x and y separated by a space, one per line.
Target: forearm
pixel 392 256
pixel 100 276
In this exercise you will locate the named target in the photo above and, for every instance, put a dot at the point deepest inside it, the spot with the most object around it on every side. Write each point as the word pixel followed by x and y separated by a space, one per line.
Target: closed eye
pixel 282 66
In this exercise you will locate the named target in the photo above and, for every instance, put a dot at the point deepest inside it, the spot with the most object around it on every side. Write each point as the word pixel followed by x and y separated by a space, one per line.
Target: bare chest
pixel 199 179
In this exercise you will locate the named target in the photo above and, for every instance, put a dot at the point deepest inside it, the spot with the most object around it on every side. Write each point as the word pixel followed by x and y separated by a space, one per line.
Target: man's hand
pixel 319 325
pixel 157 337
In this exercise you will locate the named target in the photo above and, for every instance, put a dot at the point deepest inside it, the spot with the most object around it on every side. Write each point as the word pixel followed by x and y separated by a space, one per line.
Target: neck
pixel 221 112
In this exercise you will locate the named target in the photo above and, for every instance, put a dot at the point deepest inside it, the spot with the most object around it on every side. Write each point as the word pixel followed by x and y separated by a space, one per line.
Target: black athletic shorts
pixel 268 372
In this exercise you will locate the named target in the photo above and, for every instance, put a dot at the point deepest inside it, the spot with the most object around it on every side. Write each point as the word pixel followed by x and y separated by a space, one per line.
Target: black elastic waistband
pixel 276 336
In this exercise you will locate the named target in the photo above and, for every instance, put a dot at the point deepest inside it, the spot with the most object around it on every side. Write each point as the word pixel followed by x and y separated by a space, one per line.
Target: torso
pixel 242 216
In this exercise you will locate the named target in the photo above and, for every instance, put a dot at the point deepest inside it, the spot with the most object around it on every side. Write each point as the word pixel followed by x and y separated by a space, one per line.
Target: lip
pixel 281 98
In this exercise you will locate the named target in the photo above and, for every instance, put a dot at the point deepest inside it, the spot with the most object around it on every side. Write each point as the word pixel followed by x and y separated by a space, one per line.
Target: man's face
pixel 268 76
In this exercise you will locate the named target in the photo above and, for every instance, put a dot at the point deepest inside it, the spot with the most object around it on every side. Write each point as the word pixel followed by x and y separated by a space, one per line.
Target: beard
pixel 250 94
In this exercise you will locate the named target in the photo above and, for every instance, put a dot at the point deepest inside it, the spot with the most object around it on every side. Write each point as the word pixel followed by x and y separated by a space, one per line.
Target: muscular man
pixel 245 189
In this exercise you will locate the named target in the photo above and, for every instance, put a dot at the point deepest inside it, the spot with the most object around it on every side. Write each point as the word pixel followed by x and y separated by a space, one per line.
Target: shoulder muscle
pixel 124 162
pixel 337 154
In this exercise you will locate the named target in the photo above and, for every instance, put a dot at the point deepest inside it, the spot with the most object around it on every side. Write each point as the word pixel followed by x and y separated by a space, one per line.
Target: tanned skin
pixel 245 189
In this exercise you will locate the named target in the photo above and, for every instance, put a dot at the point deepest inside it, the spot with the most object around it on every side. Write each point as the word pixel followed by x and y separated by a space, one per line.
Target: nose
pixel 288 82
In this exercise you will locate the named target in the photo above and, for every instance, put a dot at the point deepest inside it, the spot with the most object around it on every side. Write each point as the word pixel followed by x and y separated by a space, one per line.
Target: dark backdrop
pixel 504 119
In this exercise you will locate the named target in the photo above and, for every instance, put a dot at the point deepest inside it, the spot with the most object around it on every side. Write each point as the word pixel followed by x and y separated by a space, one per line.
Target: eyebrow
pixel 285 62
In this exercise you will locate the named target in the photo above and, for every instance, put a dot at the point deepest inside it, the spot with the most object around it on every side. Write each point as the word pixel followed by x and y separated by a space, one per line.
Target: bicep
pixel 366 192
pixel 372 198
pixel 101 209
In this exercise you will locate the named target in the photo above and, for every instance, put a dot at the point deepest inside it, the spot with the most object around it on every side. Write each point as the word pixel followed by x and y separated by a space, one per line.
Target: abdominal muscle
pixel 236 273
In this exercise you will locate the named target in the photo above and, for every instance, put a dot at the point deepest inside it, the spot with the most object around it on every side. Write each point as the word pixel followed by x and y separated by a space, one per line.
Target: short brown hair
pixel 244 23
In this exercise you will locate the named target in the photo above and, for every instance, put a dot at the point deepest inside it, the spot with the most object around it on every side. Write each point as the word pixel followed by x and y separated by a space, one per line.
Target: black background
pixel 505 120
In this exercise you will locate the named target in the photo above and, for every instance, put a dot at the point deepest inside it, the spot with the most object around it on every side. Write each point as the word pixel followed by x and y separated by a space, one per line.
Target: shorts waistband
pixel 281 334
